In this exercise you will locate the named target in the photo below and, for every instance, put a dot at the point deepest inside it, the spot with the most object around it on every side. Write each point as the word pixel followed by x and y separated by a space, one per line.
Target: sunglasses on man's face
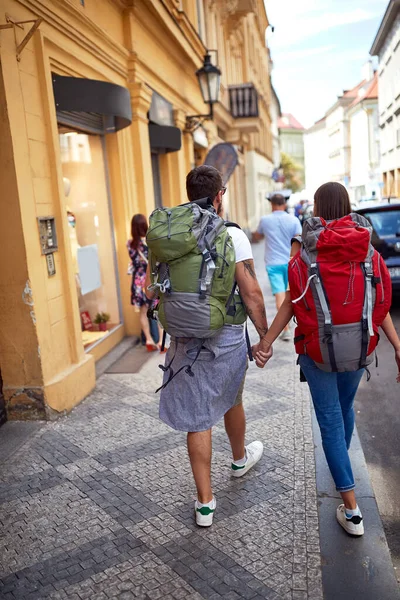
pixel 223 190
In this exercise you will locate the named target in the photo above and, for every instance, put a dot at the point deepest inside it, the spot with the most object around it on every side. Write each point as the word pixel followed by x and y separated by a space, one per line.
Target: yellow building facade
pixel 94 100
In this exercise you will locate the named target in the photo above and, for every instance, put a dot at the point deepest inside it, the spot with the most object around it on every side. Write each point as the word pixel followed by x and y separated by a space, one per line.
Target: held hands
pixel 262 352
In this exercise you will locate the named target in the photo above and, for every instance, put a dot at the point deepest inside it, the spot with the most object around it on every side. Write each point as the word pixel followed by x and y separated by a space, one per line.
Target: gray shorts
pixel 198 402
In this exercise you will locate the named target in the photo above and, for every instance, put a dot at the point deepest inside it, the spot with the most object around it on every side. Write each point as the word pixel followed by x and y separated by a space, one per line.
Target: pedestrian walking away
pixel 138 253
pixel 198 262
pixel 340 294
pixel 277 229
pixel 299 210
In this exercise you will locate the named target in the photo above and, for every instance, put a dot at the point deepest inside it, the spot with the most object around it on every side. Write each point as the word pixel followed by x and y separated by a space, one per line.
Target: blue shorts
pixel 278 278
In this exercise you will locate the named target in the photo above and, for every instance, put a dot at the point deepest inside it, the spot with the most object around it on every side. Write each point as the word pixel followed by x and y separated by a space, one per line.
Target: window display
pixel 90 230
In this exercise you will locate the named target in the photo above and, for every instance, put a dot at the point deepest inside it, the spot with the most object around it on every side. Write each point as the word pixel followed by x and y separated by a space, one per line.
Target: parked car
pixel 385 220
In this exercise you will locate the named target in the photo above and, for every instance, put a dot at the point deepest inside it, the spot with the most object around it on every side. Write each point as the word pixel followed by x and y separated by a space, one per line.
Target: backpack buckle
pixel 368 270
pixel 164 286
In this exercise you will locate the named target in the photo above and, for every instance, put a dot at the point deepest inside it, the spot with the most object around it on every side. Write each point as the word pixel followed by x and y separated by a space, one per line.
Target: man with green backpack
pixel 202 271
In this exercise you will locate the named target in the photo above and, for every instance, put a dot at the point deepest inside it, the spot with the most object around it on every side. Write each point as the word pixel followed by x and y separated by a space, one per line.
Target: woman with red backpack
pixel 340 294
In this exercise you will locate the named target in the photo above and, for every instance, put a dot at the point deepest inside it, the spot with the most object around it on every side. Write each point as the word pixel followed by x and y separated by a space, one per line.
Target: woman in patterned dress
pixel 139 253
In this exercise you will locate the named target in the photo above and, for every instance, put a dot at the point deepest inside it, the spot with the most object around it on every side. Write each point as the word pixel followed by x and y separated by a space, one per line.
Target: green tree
pixel 292 172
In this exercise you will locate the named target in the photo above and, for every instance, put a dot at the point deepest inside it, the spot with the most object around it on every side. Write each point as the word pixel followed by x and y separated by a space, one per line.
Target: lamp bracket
pixel 193 122
pixel 11 23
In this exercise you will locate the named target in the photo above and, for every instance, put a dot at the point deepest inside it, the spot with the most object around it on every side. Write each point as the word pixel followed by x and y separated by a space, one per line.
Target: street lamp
pixel 209 77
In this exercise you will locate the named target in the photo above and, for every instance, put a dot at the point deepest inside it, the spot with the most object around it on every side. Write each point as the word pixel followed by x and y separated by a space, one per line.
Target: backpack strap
pixel 232 224
pixel 229 301
pixel 369 274
pixel 229 307
pixel 366 321
pixel 230 310
pixel 186 368
pixel 164 338
pixel 248 343
pixel 206 273
pixel 297 238
pixel 323 300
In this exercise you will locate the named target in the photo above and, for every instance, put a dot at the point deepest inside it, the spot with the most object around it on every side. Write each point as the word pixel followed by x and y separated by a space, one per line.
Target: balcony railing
pixel 243 100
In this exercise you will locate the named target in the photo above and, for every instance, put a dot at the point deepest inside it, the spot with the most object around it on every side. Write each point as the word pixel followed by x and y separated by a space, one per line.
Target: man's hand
pixel 256 237
pixel 261 354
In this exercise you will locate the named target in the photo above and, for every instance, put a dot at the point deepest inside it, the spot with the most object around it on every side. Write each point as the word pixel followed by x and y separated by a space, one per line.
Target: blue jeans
pixel 333 398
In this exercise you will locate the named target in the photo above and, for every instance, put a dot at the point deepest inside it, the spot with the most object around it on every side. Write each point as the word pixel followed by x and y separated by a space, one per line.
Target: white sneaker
pixel 253 454
pixel 354 525
pixel 285 336
pixel 205 513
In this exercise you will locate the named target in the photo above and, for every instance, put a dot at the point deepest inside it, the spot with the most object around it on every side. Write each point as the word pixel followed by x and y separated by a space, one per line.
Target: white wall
pixel 259 184
pixel 316 151
pixel 389 99
pixel 338 143
pixel 365 172
pixel 359 139
pixel 276 146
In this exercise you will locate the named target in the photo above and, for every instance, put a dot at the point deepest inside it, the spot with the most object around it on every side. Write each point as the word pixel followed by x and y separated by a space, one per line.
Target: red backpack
pixel 341 292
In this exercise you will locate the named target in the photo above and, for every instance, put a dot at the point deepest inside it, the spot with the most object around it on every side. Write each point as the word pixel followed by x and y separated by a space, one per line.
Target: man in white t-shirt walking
pixel 195 404
pixel 278 228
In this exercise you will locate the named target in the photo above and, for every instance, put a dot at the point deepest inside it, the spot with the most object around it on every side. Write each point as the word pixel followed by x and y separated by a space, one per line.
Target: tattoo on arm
pixel 249 268
pixel 262 329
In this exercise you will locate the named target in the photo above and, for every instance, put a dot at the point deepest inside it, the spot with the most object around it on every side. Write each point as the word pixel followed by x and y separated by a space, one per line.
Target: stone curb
pixel 352 568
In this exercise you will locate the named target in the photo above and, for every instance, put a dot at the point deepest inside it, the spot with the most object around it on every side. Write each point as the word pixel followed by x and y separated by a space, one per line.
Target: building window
pixel 87 209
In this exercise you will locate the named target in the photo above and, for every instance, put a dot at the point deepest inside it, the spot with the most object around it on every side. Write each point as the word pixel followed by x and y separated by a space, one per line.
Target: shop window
pixel 87 208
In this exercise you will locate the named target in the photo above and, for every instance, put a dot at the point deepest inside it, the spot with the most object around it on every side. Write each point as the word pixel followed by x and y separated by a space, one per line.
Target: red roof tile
pixel 288 121
pixel 354 91
pixel 370 92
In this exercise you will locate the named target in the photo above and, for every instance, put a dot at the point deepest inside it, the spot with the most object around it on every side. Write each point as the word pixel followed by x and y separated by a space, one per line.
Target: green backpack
pixel 192 261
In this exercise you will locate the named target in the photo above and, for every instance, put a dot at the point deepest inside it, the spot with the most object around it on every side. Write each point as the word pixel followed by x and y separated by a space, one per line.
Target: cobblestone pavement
pixel 100 504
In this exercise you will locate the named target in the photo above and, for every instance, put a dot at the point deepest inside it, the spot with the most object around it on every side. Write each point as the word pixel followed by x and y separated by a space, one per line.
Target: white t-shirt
pixel 241 244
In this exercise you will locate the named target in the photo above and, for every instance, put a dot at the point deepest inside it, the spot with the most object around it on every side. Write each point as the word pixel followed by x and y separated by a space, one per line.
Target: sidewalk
pixel 99 504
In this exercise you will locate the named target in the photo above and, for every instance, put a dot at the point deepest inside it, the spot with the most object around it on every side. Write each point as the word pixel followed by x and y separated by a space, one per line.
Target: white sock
pixel 353 512
pixel 242 461
pixel 210 504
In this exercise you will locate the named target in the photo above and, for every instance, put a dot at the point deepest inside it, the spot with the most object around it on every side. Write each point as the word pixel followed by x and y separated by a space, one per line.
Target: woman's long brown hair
pixel 139 229
pixel 331 201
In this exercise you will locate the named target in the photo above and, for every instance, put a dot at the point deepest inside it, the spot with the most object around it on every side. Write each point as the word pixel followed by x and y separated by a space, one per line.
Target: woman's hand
pixel 393 338
pixel 262 353
pixel 397 359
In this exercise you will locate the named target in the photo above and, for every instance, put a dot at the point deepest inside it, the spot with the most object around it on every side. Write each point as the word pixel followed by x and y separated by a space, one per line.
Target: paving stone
pixel 99 504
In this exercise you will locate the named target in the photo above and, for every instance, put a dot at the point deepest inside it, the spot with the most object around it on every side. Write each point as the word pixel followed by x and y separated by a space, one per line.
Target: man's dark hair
pixel 203 182
pixel 278 200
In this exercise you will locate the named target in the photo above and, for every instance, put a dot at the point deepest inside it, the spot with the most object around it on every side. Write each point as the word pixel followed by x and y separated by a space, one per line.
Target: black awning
pixel 91 97
pixel 164 138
